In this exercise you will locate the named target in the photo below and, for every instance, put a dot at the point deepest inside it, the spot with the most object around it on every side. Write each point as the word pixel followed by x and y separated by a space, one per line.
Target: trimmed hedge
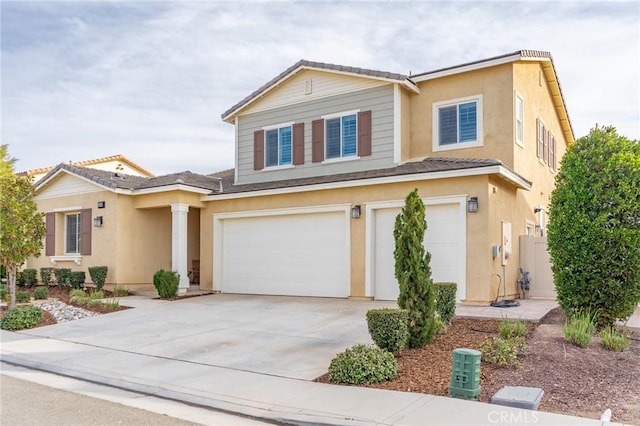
pixel 98 275
pixel 63 276
pixel 446 301
pixel 20 318
pixel 29 277
pixel 363 364
pixel 46 276
pixel 77 279
pixel 388 328
pixel 166 282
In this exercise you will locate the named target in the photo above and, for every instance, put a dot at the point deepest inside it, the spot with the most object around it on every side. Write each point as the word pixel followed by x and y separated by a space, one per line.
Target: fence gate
pixel 535 259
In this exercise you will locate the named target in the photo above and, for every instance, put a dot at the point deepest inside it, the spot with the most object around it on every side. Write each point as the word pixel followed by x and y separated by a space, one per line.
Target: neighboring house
pixel 115 163
pixel 325 156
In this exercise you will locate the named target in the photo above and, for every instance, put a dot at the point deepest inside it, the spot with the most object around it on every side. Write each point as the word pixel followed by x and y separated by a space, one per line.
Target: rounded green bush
pixel 594 231
pixel 363 364
pixel 20 318
pixel 446 300
pixel 388 328
pixel 23 297
pixel 41 293
pixel 166 282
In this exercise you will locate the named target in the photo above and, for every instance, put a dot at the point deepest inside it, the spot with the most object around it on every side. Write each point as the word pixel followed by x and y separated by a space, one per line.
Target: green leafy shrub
pixel 47 276
pixel 413 271
pixel 503 352
pixel 77 292
pixel 120 291
pixel 614 340
pixel 441 326
pixel 580 328
pixel 166 282
pixel 23 297
pixel 98 275
pixel 4 292
pixel 363 364
pixel 20 318
pixel 112 304
pixel 388 328
pixel 30 277
pixel 63 276
pixel 445 294
pixel 19 279
pixel 594 232
pixel 77 279
pixel 98 294
pixel 512 328
pixel 41 293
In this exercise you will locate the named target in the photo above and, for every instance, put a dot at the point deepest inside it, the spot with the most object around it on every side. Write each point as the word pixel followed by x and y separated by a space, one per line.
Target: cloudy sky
pixel 150 79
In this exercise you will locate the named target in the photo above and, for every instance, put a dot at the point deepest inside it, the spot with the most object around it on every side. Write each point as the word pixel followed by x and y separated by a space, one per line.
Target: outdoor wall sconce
pixel 472 205
pixel 97 221
pixel 355 212
pixel 101 204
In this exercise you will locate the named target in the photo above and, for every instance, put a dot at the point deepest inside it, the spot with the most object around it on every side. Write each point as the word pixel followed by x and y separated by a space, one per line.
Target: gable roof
pixel 403 172
pixel 118 181
pixel 304 64
pixel 541 56
pixel 117 157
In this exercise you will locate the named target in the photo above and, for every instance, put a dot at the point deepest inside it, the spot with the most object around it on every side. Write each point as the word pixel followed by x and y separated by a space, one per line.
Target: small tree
pixel 413 272
pixel 594 227
pixel 21 226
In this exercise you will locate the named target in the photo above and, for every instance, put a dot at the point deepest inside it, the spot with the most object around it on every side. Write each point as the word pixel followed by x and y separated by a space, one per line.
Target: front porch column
pixel 179 214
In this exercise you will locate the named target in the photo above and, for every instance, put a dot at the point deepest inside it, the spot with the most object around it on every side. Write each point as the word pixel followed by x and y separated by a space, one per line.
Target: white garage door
pixel 292 255
pixel 444 239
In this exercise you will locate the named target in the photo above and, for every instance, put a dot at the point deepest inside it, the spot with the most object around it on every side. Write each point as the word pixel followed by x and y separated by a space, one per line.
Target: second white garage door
pixel 445 240
pixel 286 254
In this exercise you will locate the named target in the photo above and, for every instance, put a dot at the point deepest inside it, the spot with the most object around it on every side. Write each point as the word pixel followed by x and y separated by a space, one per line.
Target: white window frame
pixel 541 130
pixel 341 157
pixel 265 129
pixel 78 236
pixel 436 123
pixel 519 119
pixel 552 151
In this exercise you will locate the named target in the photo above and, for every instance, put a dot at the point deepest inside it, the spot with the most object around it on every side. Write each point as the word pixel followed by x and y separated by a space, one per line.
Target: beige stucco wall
pixel 479 266
pixel 495 85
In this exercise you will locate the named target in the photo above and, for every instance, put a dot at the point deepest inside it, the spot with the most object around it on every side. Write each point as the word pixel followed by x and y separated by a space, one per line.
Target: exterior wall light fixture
pixel 101 204
pixel 97 221
pixel 472 205
pixel 355 212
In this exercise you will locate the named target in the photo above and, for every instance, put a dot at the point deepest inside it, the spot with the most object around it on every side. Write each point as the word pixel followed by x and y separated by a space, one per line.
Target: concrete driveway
pixel 291 337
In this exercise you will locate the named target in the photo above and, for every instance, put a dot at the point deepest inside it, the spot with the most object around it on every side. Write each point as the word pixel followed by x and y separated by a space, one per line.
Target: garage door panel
pixel 443 240
pixel 297 255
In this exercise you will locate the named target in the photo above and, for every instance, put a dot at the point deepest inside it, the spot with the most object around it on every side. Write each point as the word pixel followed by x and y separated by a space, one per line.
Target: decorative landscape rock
pixel 63 312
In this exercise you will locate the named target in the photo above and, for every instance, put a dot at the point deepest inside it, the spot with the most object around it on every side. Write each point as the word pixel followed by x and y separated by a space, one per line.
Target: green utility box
pixel 465 374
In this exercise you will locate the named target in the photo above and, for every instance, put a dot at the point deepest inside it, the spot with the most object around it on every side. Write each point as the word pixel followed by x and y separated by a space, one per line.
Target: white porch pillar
pixel 179 214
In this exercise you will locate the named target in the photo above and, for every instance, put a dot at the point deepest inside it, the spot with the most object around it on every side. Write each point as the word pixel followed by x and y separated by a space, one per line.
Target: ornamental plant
pixel 166 282
pixel 98 275
pixel 363 364
pixel 445 294
pixel 388 328
pixel 594 226
pixel 20 318
pixel 413 272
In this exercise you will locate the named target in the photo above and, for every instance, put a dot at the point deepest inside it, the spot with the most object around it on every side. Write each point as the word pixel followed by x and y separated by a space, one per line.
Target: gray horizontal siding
pixel 379 100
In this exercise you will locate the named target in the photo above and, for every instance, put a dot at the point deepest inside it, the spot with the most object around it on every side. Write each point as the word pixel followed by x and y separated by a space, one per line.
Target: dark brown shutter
pixel 298 143
pixel 364 133
pixel 85 231
pixel 50 239
pixel 317 141
pixel 258 150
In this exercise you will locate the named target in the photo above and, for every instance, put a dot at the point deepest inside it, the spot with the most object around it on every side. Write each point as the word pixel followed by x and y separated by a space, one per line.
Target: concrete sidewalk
pixel 279 399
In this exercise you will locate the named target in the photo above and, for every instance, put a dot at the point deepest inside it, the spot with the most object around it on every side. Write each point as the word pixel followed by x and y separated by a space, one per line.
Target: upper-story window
pixel 341 136
pixel 541 141
pixel 552 152
pixel 519 120
pixel 457 123
pixel 73 231
pixel 278 146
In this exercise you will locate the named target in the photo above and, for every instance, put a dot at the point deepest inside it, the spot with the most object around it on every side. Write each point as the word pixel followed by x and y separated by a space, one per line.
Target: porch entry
pixel 535 259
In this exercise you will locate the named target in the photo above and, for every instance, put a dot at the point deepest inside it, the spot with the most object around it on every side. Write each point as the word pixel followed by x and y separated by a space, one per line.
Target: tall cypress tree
pixel 413 271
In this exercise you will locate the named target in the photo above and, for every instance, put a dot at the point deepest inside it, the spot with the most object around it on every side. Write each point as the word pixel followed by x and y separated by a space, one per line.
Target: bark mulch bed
pixel 576 381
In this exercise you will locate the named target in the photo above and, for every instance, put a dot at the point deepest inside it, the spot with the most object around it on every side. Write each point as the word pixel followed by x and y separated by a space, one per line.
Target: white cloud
pixel 150 79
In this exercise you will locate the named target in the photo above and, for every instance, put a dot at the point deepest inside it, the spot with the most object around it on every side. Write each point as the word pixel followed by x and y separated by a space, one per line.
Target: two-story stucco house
pixel 325 156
